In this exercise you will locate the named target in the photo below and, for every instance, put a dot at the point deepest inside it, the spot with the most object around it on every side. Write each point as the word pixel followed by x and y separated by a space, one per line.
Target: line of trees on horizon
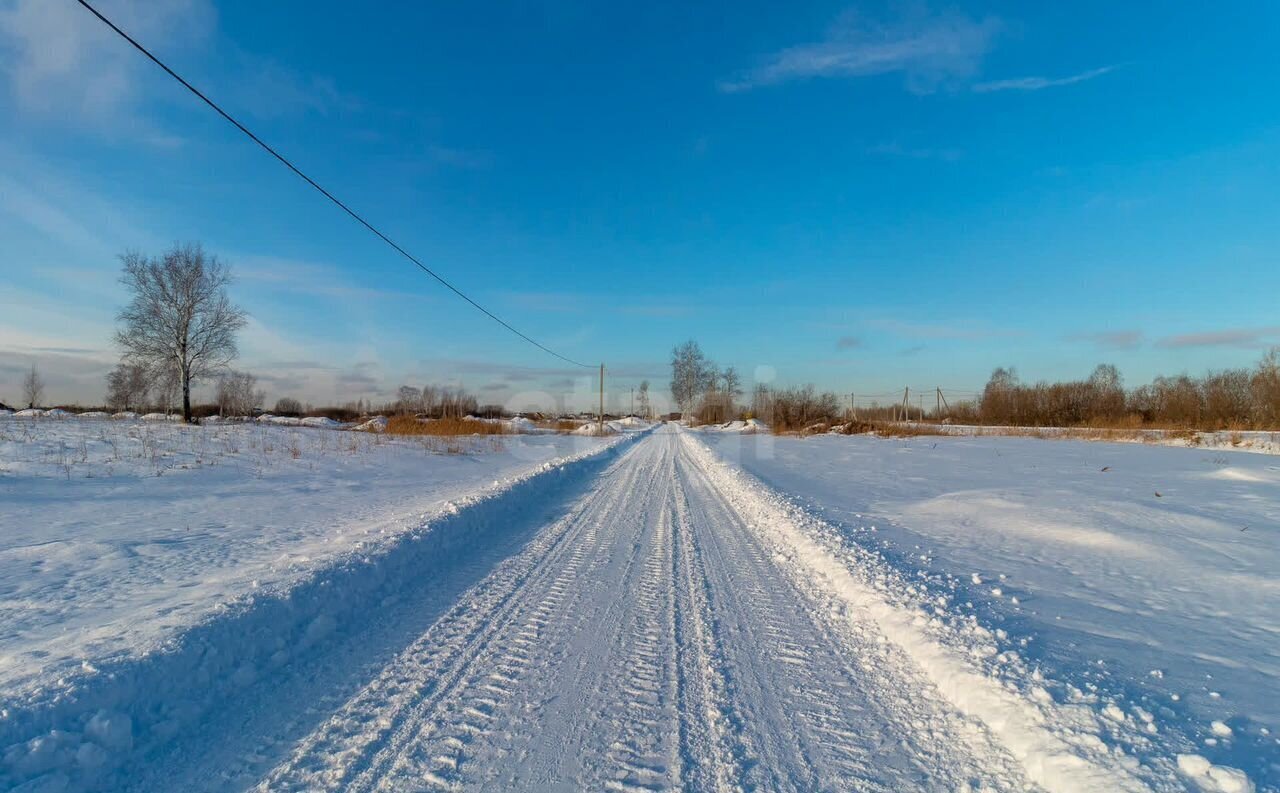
pixel 1226 399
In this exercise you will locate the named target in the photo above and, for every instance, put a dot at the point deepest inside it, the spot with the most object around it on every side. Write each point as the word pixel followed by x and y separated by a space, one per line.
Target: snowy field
pixel 257 607
pixel 1141 577
pixel 118 536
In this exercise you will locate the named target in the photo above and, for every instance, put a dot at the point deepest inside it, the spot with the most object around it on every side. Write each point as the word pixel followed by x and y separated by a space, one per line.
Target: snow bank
pixel 323 422
pixel 94 414
pixel 739 427
pixel 595 429
pixel 161 417
pixel 1138 579
pixel 29 413
pixel 1079 745
pixel 1258 441
pixel 613 427
pixel 85 727
pixel 124 414
pixel 375 424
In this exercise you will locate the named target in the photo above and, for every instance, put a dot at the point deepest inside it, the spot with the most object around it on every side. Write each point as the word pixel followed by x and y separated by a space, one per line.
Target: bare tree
pixel 179 318
pixel 127 386
pixel 1266 389
pixel 691 373
pixel 165 386
pixel 430 399
pixel 408 399
pixel 643 394
pixel 33 387
pixel 238 394
pixel 287 406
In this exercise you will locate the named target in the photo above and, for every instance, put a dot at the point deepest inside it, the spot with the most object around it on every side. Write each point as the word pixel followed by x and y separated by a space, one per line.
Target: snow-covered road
pixel 659 621
pixel 645 641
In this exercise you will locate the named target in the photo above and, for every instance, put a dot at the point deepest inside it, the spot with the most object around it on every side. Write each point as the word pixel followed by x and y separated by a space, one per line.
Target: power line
pixel 323 191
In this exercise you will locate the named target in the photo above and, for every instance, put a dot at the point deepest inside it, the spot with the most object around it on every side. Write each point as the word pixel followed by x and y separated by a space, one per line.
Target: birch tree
pixel 33 387
pixel 179 318
pixel 690 373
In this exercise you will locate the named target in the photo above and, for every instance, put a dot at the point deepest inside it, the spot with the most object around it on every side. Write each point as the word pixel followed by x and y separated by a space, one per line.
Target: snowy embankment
pixel 1128 592
pixel 1258 441
pixel 148 570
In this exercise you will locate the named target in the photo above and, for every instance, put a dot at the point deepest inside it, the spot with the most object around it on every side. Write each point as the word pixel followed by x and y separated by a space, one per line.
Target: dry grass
pixel 410 425
pixel 559 425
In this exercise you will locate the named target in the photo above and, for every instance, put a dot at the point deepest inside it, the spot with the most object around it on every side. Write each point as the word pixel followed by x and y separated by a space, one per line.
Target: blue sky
pixel 863 196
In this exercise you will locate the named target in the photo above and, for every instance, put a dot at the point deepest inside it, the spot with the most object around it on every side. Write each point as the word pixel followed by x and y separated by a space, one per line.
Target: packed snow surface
pixel 663 610
pixel 1142 579
pixel 113 535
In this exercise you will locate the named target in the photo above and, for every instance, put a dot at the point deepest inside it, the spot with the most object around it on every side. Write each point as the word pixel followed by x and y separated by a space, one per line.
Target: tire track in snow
pixel 811 713
pixel 1057 750
pixel 649 640
pixel 357 742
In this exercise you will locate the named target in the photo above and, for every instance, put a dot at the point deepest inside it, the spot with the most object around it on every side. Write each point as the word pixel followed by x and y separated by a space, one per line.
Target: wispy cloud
pixel 1231 337
pixel 268 89
pixel 1111 339
pixel 848 343
pixel 62 62
pixel 65 66
pixel 927 52
pixel 1039 83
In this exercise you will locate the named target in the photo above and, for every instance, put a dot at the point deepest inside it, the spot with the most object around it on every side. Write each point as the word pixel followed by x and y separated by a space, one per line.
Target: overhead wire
pixel 322 190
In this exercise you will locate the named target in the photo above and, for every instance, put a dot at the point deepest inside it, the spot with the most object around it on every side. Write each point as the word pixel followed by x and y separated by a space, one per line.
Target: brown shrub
pixel 411 425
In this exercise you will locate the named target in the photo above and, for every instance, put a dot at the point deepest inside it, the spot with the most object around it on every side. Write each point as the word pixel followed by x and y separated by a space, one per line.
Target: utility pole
pixel 853 405
pixel 938 407
pixel 602 399
pixel 906 397
pixel 633 401
pixel 921 398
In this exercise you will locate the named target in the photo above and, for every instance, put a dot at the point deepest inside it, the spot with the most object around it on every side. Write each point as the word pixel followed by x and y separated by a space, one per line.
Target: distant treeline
pixel 1237 399
pixel 1228 399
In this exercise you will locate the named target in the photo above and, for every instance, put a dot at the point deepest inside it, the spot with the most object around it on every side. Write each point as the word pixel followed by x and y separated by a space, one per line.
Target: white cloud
pixel 63 64
pixel 1039 83
pixel 62 61
pixel 926 51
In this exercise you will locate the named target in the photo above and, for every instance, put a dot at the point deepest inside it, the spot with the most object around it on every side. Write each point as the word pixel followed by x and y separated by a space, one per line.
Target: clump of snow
pixel 161 417
pixel 519 424
pixel 740 427
pixel 282 421
pixel 375 424
pixel 95 414
pixel 323 422
pixel 124 414
pixel 56 413
pixel 29 413
pixel 595 429
pixel 1212 778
